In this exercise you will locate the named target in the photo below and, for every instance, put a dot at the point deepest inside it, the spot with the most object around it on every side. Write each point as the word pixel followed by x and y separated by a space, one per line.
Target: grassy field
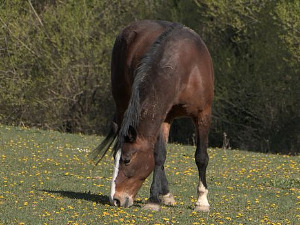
pixel 46 178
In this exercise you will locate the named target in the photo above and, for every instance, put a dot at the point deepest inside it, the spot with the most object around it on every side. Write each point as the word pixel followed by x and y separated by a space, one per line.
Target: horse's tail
pixel 98 153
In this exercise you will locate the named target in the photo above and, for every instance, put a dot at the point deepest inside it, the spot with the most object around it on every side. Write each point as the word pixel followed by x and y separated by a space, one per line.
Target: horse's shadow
pixel 101 199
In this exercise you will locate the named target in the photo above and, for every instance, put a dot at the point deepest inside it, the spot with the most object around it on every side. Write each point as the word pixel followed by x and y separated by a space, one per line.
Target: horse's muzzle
pixel 122 201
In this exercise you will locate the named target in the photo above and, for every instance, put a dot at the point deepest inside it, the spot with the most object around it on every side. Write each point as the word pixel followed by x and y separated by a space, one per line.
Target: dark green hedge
pixel 55 65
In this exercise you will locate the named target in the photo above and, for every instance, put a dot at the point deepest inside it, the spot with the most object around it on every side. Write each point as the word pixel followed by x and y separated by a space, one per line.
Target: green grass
pixel 46 178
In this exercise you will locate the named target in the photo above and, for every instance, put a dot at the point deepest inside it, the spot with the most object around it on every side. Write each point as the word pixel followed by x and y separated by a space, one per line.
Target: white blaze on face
pixel 115 174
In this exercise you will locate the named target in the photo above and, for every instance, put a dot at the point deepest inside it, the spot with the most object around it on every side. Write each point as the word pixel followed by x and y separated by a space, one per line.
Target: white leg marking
pixel 115 174
pixel 202 202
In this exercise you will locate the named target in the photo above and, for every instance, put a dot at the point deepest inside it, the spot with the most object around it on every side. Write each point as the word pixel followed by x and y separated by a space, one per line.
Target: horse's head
pixel 134 161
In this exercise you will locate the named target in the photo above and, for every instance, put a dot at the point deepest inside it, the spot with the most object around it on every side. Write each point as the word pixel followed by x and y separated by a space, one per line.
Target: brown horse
pixel 159 71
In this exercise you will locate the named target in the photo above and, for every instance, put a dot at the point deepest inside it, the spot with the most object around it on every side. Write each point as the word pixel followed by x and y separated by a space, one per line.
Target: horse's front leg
pixel 201 159
pixel 159 191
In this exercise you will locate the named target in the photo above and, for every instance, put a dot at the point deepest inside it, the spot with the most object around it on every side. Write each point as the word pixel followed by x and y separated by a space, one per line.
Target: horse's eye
pixel 126 161
pixel 126 157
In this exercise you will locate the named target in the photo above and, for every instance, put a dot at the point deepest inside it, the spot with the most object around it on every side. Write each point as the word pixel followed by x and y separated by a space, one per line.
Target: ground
pixel 46 178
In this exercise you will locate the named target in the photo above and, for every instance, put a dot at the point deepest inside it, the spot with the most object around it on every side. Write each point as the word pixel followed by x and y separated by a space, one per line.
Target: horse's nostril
pixel 117 202
pixel 126 202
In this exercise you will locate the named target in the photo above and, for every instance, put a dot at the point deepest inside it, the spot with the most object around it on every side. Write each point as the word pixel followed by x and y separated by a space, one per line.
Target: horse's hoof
pixel 152 206
pixel 202 208
pixel 168 199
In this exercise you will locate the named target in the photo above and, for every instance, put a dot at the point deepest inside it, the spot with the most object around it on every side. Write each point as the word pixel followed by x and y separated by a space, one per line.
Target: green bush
pixel 55 65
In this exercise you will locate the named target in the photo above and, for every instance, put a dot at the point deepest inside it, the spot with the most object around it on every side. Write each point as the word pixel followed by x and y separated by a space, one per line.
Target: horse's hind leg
pixel 166 130
pixel 159 191
pixel 202 123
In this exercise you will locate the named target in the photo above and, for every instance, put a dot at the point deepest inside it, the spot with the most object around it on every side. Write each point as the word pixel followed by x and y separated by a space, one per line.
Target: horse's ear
pixel 131 135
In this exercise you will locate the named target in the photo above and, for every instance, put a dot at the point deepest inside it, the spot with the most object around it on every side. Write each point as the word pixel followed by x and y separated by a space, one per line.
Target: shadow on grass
pixel 102 199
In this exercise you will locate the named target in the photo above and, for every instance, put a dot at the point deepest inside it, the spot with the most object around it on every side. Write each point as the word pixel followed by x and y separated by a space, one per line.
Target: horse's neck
pixel 155 106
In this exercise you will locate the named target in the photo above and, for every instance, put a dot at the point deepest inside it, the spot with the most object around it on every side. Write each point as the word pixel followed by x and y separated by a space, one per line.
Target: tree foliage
pixel 55 64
